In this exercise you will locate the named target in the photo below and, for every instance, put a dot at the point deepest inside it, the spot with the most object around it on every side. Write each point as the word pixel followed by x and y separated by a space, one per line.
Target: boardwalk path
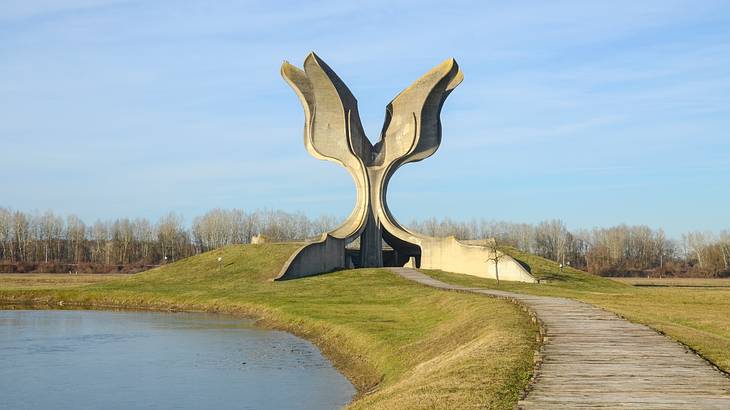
pixel 594 359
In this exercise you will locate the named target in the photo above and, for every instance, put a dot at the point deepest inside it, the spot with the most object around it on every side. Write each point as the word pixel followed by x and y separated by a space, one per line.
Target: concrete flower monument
pixel 411 133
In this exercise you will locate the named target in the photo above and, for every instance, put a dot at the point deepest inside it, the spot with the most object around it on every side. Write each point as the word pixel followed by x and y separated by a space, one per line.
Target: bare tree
pixel 696 243
pixel 6 228
pixel 725 248
pixel 99 240
pixel 496 255
pixel 75 236
pixel 144 236
pixel 552 238
pixel 22 238
pixel 168 232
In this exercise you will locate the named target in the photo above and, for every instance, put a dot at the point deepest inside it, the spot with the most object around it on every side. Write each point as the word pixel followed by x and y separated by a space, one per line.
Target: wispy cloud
pixel 137 106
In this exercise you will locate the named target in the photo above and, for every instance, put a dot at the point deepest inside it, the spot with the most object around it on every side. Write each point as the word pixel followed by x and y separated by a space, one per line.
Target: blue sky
pixel 597 113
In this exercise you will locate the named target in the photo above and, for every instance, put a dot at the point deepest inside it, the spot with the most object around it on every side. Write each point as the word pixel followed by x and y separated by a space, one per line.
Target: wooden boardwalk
pixel 591 358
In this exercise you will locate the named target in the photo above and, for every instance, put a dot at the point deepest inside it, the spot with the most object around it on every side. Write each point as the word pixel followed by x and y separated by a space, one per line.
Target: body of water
pixel 75 359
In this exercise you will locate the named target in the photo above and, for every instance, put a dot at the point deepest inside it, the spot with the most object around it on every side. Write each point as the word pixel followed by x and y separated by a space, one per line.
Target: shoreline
pixel 335 356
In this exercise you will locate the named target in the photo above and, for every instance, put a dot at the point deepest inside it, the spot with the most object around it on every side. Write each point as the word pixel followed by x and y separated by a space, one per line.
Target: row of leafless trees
pixel 46 241
pixel 221 227
pixel 59 242
pixel 618 250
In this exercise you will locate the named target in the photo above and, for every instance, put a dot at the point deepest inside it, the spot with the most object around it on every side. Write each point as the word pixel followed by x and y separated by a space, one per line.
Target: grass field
pixel 695 312
pixel 676 282
pixel 403 345
pixel 52 280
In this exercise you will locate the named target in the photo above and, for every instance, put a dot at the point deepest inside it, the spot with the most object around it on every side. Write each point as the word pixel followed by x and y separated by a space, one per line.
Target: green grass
pixel 53 280
pixel 403 345
pixel 697 316
pixel 676 282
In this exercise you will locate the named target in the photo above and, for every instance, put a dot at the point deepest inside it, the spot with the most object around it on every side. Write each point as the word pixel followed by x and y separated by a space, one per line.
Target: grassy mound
pixel 554 281
pixel 698 317
pixel 553 278
pixel 402 344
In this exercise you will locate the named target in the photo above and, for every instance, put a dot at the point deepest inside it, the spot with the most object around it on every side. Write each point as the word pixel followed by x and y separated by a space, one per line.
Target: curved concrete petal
pixel 332 131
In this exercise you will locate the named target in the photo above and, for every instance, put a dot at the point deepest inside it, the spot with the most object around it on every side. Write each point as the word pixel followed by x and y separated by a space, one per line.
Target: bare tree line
pixel 49 242
pixel 52 243
pixel 58 243
pixel 221 227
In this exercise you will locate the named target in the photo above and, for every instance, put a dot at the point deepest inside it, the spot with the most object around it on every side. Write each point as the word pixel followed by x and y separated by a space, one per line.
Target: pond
pixel 76 359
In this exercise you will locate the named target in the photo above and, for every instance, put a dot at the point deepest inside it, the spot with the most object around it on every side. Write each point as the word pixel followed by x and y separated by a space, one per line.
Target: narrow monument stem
pixel 371 247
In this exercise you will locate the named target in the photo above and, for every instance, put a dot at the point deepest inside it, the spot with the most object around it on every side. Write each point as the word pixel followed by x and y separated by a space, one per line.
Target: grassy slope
pixel 415 346
pixel 698 317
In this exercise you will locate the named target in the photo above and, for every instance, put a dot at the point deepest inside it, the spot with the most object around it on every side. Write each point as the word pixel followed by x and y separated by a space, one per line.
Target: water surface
pixel 72 359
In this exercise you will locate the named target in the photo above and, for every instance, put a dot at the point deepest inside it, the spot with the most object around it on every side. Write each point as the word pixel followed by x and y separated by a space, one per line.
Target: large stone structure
pixel 412 132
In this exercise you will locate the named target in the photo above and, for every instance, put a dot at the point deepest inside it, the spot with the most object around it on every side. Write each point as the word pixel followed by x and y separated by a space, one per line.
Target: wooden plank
pixel 592 358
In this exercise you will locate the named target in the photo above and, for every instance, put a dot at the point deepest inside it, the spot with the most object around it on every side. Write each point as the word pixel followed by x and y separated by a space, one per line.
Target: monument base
pixel 448 254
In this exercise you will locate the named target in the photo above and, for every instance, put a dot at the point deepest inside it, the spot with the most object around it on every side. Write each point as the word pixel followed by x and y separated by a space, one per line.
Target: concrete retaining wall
pixel 323 256
pixel 450 255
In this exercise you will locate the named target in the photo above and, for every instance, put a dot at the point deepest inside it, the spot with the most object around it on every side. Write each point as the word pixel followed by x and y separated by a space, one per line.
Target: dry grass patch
pixel 469 364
